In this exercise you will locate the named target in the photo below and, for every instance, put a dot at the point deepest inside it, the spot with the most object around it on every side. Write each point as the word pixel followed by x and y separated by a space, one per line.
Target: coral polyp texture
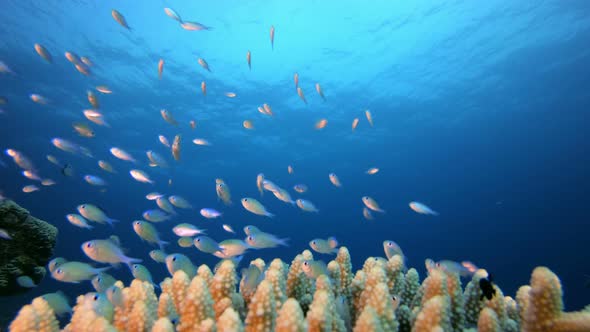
pixel 382 296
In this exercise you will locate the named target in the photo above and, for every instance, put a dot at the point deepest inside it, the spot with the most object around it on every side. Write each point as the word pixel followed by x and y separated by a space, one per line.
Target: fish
pixel 67 170
pixel 122 154
pixel 160 68
pixel 179 262
pixel 179 202
pixel 270 186
pixel 324 246
pixel 300 188
pixel 25 282
pixel 78 221
pixel 272 37
pixel 164 140
pixel 228 228
pixel 94 180
pixel 210 213
pixel 55 263
pixel 472 268
pixel 140 272
pixel 106 166
pixel 115 295
pixel 372 170
pixel 82 69
pixel 156 160
pixel 140 176
pixel 367 214
pixel 193 124
pixel 248 124
pixel 206 244
pixel 223 192
pixel 487 288
pixel 156 215
pixel 74 272
pixel 369 117
pixel 153 196
pixel 4 69
pixel 306 205
pixel 92 99
pixel 148 233
pixel 168 117
pixel 372 204
pixel 201 141
pixel 107 251
pixel 95 117
pixel 185 242
pixel 52 159
pixel 30 188
pixel 58 302
pixel 248 230
pixel 204 64
pixel 422 208
pixel 204 88
pixel 290 169
pixel 263 240
pixel 249 59
pixel 267 109
pixel 31 175
pixel 301 95
pixel 231 248
pixel 165 205
pixel 158 256
pixel 355 123
pixel 4 234
pixel 43 52
pixel 93 213
pixel 37 98
pixel 321 124
pixel 120 19
pixel 102 281
pixel 20 159
pixel 296 80
pixel 172 14
pixel 187 230
pixel 83 130
pixel 98 303
pixel 194 26
pixel 391 249
pixel 259 181
pixel 284 196
pixel 313 269
pixel 454 267
pixel 104 89
pixel 176 147
pixel 254 206
pixel 72 57
pixel 251 277
pixel 334 179
pixel 318 88
pixel 86 61
pixel 70 147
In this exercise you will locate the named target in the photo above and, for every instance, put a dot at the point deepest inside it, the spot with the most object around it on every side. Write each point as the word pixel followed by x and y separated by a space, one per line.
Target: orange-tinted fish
pixel 72 57
pixel 290 169
pixel 372 170
pixel 92 99
pixel 321 124
pixel 369 117
pixel 296 79
pixel 355 123
pixel 82 69
pixel 267 109
pixel 104 89
pixel 193 124
pixel 176 148
pixel 86 61
pixel 272 37
pixel 301 95
pixel 204 64
pixel 249 59
pixel 230 94
pixel 44 53
pixel 318 88
pixel 248 124
pixel 120 19
pixel 194 26
pixel 204 88
pixel 160 68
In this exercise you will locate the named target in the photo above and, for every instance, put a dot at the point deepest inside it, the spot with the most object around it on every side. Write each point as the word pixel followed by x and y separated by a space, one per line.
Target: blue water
pixel 481 111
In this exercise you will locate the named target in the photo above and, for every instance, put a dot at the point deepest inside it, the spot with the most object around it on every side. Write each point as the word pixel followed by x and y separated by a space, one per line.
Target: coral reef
pixel 285 298
pixel 28 250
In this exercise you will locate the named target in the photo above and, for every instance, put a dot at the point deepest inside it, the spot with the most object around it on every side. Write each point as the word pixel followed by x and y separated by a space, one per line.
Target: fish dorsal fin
pixel 115 239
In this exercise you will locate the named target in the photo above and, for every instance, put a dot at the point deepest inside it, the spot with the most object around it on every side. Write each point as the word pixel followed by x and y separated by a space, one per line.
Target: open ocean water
pixel 480 110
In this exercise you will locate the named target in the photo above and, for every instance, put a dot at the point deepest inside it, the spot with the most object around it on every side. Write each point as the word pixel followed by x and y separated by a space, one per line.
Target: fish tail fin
pixel 162 244
pixel 102 269
pixel 130 261
pixel 268 214
pixel 111 222
pixel 434 213
pixel 283 242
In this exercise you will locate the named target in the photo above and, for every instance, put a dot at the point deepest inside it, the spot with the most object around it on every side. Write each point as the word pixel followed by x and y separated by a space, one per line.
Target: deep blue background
pixel 481 112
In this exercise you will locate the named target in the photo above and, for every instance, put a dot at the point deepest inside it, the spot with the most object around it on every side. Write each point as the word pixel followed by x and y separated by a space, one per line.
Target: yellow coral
pixel 26 320
pixel 299 286
pixel 434 314
pixel 180 283
pixel 522 300
pixel 488 321
pixel 197 307
pixel 163 325
pixel 380 300
pixel 205 272
pixel 291 317
pixel 279 285
pixel 346 275
pixel 261 311
pixel 229 321
pixel 368 321
pixel 166 306
pixel 223 286
pixel 84 319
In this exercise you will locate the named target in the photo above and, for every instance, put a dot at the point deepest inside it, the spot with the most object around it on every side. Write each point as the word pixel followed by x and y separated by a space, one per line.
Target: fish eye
pixel 250 238
pixel 135 266
pixel 89 245
pixel 198 239
pixel 174 259
pixel 83 206
pixel 95 298
pixel 245 199
pixel 99 279
pixel 394 298
pixel 59 271
pixel 313 242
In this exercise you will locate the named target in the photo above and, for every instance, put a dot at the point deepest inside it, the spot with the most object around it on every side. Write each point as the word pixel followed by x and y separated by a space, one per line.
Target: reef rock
pixel 28 250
